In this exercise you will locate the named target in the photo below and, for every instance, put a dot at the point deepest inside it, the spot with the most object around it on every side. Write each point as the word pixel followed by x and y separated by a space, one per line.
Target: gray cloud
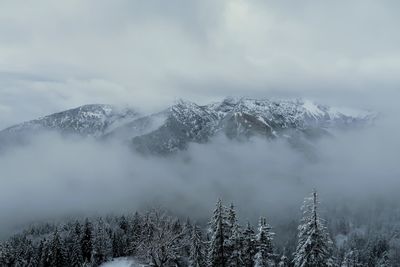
pixel 148 53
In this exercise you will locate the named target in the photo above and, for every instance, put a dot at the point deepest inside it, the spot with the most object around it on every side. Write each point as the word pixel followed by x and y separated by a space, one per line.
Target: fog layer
pixel 56 176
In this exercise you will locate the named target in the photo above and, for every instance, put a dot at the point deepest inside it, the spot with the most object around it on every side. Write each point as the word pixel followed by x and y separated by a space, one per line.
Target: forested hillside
pixel 159 239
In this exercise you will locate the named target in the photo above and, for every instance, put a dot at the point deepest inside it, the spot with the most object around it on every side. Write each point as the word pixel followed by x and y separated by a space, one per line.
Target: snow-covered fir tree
pixel 265 251
pixel 27 254
pixel 38 254
pixel 118 244
pixel 123 224
pixel 284 261
pixel 75 257
pixel 197 256
pixel 219 227
pixel 248 246
pixel 87 241
pixel 377 251
pixel 314 248
pixel 188 227
pixel 352 259
pixel 231 218
pixel 44 260
pixel 187 233
pixel 56 256
pixel 102 245
pixel 235 247
pixel 235 238
pixel 133 235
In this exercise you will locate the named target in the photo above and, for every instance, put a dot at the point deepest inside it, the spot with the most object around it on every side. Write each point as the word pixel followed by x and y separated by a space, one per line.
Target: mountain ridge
pixel 186 122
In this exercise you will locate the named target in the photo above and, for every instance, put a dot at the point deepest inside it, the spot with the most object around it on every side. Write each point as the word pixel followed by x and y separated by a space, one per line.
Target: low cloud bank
pixel 56 176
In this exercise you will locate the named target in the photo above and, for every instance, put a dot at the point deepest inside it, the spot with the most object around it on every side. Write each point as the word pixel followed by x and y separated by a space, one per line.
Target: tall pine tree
pixel 265 250
pixel 219 228
pixel 249 246
pixel 197 257
pixel 314 244
pixel 235 247
pixel 234 242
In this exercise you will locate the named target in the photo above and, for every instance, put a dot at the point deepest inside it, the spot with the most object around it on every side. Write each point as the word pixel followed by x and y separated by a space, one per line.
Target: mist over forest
pixel 72 176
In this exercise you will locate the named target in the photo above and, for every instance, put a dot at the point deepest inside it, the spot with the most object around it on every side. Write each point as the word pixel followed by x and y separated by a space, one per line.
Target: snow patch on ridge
pixel 122 262
pixel 312 109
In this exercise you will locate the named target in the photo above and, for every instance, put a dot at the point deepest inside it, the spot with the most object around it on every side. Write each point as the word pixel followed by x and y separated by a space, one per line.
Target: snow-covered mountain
pixel 87 120
pixel 186 122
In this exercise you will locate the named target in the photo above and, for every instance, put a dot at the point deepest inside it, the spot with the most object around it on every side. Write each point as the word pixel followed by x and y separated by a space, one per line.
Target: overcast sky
pixel 60 54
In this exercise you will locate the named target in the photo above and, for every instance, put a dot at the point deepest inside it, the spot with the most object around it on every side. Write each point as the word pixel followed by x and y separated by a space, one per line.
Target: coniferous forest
pixel 156 238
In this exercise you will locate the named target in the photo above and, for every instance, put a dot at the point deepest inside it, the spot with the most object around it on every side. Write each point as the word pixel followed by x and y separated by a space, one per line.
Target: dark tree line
pixel 158 239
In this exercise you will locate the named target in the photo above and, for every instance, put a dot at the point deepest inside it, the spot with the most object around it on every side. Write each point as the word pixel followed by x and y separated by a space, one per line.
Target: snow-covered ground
pixel 122 262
